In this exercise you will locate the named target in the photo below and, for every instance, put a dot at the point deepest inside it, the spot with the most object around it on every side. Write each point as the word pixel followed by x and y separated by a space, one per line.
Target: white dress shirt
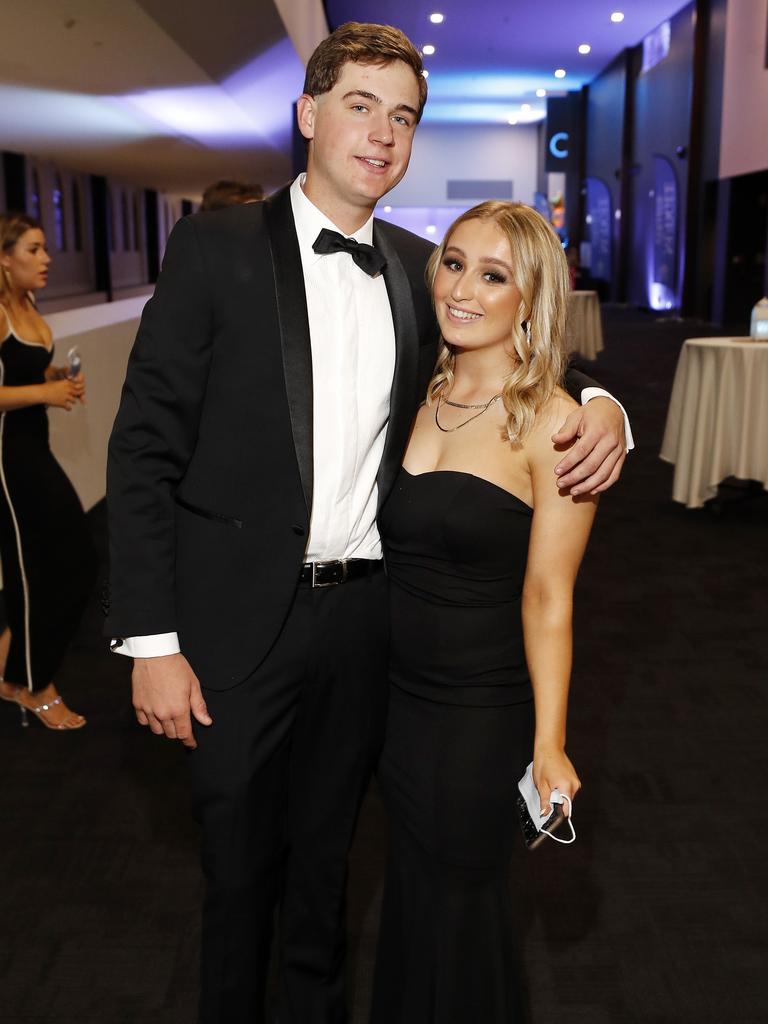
pixel 353 359
pixel 353 362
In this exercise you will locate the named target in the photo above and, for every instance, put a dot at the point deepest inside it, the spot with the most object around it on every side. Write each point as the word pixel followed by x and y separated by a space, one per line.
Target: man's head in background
pixel 230 193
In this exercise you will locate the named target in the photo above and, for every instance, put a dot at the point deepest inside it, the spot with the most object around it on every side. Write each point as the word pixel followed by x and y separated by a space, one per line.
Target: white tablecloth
pixel 717 424
pixel 584 327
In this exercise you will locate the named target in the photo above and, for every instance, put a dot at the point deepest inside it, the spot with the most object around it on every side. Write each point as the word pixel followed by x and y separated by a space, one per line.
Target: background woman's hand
pixel 80 381
pixel 64 393
pixel 552 769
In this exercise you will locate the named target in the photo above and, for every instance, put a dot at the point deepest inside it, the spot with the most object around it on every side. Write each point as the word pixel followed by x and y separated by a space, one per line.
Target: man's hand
pixel 594 462
pixel 165 690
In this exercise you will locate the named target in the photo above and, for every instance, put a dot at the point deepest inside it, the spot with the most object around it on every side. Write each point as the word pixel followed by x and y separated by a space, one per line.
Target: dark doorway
pixel 745 269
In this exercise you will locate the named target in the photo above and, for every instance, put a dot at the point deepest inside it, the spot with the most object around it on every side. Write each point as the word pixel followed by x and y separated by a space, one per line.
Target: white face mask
pixel 536 825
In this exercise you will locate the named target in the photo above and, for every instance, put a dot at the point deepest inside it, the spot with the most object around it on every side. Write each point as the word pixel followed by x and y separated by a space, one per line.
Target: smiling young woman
pixel 484 299
pixel 482 552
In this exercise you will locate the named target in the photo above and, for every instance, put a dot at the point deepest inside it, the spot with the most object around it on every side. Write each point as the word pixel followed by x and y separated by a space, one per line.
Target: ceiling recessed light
pixel 437 18
pixel 512 120
pixel 585 48
pixel 431 229
pixel 428 50
pixel 560 73
pixel 425 73
pixel 617 16
pixel 387 209
pixel 541 92
pixel 525 106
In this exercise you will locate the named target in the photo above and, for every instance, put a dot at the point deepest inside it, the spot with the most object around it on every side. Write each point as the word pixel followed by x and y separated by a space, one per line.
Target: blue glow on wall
pixel 665 211
pixel 599 218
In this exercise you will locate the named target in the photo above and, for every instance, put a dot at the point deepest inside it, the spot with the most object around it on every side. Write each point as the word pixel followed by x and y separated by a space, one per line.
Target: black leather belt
pixel 340 570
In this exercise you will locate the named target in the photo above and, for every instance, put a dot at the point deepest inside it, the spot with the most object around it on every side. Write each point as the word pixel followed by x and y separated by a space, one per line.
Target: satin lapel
pixel 403 399
pixel 294 329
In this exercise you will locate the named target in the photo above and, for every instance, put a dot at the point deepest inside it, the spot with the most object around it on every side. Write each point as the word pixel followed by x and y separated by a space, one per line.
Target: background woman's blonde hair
pixel 540 273
pixel 12 227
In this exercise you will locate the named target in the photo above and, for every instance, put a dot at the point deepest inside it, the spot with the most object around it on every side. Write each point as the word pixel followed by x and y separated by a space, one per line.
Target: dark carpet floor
pixel 653 916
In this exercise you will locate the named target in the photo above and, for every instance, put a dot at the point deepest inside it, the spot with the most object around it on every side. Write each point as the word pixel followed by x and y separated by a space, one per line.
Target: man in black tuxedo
pixel 265 412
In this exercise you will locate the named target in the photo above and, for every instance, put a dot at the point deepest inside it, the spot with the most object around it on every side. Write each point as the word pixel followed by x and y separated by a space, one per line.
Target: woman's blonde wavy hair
pixel 540 273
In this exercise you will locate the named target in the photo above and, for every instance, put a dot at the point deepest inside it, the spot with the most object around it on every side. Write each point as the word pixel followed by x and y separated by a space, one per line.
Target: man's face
pixel 361 134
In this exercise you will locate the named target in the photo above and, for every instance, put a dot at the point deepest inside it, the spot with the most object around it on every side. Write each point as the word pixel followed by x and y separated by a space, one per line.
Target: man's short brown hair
pixel 361 43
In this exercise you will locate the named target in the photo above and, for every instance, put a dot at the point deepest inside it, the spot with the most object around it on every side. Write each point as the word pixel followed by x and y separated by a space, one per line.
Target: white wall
pixel 470 152
pixel 104 336
pixel 744 137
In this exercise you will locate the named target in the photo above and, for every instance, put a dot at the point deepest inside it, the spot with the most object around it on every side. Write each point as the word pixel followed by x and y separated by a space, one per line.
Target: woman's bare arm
pixel 559 534
pixel 56 390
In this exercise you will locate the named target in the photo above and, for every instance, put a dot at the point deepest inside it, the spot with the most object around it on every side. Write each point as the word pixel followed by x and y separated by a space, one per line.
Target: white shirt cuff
pixel 156 645
pixel 589 393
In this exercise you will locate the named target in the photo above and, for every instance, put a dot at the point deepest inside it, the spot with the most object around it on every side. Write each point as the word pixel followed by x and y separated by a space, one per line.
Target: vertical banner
pixel 563 133
pixel 599 228
pixel 666 221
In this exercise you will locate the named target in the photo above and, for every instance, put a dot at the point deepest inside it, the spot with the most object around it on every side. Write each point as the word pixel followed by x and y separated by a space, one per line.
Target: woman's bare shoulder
pixel 550 417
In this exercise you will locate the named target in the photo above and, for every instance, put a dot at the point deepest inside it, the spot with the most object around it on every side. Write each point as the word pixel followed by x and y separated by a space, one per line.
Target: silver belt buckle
pixel 333 583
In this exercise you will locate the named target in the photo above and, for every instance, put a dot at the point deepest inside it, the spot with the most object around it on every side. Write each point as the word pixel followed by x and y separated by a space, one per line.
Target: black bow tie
pixel 365 256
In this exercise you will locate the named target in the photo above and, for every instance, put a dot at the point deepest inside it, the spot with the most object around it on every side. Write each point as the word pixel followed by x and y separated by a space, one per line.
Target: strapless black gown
pixel 459 735
pixel 48 559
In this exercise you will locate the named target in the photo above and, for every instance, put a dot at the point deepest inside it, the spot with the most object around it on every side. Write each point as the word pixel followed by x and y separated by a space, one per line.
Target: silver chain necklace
pixel 483 407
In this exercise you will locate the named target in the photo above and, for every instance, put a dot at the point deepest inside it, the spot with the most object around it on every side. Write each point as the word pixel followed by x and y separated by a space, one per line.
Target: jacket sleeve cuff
pixel 589 393
pixel 156 645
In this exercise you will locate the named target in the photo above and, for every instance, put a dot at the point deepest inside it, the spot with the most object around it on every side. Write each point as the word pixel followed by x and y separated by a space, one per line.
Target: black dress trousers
pixel 277 784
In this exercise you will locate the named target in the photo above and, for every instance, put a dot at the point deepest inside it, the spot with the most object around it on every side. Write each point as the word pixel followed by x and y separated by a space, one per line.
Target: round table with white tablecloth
pixel 717 424
pixel 584 326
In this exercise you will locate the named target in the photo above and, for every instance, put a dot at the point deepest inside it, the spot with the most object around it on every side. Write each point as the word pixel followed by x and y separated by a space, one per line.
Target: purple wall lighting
pixel 600 226
pixel 662 240
pixel 252 104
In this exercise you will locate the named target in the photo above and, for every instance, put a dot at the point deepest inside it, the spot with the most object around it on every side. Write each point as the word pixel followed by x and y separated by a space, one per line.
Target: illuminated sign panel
pixel 563 133
pixel 656 46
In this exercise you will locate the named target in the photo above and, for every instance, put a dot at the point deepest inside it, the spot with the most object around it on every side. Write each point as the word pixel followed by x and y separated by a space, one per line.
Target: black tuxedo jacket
pixel 210 468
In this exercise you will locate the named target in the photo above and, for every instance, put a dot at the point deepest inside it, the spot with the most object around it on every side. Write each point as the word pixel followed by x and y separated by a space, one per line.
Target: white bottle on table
pixel 759 325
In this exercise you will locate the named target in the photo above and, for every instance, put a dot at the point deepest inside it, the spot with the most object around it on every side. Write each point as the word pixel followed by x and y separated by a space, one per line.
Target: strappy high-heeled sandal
pixel 18 695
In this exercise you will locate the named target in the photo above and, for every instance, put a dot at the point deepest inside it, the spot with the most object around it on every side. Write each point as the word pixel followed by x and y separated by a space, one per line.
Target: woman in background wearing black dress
pixel 482 553
pixel 45 546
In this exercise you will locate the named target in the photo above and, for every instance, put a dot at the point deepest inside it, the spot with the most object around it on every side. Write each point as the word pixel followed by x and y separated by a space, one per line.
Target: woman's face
pixel 476 300
pixel 27 262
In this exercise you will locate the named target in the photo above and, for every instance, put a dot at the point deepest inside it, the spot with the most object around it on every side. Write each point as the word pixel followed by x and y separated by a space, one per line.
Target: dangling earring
pixel 528 332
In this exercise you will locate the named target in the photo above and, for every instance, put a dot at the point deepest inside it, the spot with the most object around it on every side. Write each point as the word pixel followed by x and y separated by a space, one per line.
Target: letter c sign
pixel 556 145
